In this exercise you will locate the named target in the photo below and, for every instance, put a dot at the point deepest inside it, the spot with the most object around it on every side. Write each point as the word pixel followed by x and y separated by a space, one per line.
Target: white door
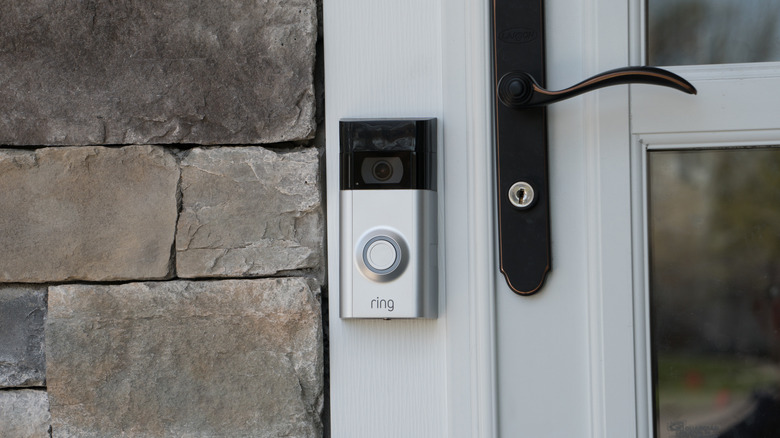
pixel 658 317
pixel 574 360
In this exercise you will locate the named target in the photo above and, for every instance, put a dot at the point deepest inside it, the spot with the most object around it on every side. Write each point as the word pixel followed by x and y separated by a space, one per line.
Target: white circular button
pixel 381 255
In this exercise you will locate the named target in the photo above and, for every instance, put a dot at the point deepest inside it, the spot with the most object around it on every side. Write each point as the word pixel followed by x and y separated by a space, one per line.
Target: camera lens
pixel 382 170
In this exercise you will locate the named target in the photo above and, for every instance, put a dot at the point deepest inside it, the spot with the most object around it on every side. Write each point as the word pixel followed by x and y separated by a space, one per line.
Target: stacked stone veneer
pixel 161 220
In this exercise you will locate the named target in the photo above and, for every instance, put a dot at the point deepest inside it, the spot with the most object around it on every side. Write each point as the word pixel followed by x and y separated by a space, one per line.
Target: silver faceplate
pixel 408 217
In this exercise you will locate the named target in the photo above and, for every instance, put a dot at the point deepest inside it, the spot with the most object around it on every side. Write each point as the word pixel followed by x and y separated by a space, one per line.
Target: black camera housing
pixel 387 154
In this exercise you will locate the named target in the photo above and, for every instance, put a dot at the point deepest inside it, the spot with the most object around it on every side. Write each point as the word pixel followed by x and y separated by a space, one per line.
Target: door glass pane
pixel 683 32
pixel 714 243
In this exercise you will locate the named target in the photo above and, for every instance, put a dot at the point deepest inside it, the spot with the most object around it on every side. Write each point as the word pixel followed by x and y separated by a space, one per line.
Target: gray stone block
pixel 174 71
pixel 22 313
pixel 87 213
pixel 231 358
pixel 24 413
pixel 248 212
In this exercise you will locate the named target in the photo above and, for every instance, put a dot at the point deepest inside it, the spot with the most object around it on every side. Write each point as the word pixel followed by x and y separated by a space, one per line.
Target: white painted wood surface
pixel 544 347
pixel 469 225
pixel 382 59
pixel 415 59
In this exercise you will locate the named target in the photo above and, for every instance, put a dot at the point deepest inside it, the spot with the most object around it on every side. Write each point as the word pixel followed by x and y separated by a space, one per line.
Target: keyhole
pixel 521 195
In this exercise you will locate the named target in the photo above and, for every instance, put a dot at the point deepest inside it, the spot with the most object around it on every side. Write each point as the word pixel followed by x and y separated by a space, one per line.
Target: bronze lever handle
pixel 518 89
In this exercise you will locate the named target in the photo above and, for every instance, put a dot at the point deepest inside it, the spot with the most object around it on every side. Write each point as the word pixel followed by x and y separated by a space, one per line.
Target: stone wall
pixel 161 219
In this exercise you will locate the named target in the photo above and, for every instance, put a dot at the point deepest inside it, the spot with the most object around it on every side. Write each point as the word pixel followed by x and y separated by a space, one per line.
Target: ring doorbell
pixel 388 248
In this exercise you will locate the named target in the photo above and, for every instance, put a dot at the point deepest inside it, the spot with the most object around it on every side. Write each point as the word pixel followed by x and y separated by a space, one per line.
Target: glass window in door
pixel 685 32
pixel 714 276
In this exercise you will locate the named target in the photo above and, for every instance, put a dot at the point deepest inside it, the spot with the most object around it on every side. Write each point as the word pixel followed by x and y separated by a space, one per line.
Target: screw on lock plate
pixel 521 195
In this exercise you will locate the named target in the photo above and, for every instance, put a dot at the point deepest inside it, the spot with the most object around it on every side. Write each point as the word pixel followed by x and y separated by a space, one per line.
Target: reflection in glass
pixel 684 32
pixel 714 241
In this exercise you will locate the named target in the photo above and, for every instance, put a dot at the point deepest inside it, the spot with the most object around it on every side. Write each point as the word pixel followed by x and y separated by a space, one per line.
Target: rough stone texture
pixel 248 212
pixel 24 413
pixel 22 313
pixel 231 358
pixel 89 213
pixel 142 71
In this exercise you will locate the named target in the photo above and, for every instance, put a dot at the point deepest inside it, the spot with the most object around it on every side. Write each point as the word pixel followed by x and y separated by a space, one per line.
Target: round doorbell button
pixel 381 254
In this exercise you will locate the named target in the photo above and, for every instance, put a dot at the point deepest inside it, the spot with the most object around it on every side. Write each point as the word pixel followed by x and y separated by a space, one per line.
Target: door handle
pixel 520 112
pixel 518 89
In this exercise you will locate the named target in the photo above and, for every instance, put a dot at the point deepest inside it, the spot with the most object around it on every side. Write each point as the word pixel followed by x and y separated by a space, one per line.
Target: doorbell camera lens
pixel 382 170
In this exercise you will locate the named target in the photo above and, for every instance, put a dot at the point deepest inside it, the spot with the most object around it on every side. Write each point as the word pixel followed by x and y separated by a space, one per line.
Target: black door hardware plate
pixel 521 136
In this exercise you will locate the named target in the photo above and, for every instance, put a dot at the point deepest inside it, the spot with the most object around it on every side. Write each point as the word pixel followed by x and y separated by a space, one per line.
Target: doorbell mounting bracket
pixel 388 201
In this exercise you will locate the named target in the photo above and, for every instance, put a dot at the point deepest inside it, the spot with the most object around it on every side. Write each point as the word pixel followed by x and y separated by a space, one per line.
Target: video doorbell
pixel 388 248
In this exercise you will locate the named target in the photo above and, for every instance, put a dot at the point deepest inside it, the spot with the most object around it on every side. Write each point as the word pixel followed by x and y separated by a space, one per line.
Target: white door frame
pixel 468 131
pixel 611 312
pixel 416 58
